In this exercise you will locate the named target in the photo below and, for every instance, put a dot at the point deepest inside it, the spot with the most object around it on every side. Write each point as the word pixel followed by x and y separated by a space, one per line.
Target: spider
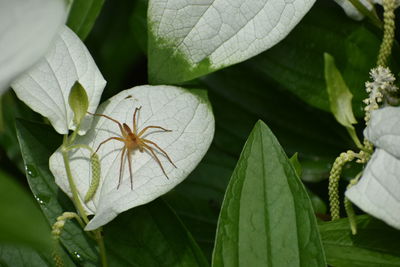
pixel 133 140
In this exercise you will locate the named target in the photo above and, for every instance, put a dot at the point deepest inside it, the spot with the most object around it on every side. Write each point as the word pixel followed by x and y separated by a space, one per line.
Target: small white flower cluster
pixel 382 84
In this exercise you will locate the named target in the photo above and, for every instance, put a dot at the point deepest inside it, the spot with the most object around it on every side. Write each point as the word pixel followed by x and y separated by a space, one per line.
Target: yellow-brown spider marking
pixel 133 140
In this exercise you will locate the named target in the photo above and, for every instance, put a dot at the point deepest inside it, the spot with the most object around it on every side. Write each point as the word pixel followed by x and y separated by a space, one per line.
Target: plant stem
pixel 75 197
pixel 102 248
pixel 71 182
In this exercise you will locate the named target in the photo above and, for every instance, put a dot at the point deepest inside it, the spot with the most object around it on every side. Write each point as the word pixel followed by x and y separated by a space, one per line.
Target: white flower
pixel 381 85
pixel 27 28
pixel 191 122
pixel 377 193
pixel 46 86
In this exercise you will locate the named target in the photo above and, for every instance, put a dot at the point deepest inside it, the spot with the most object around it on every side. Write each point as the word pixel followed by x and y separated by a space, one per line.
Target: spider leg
pixel 150 127
pixel 114 120
pixel 134 119
pixel 121 166
pixel 159 148
pixel 148 148
pixel 108 139
pixel 130 168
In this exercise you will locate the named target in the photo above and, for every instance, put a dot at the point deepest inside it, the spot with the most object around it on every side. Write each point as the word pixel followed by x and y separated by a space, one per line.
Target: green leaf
pixel 339 94
pixel 21 221
pixel 151 235
pixel 296 164
pixel 318 204
pixel 239 96
pixel 266 217
pixel 83 15
pixel 38 142
pixel 10 108
pixel 340 98
pixel 78 101
pixel 116 44
pixel 375 244
pixel 297 62
pixel 198 199
pixel 21 256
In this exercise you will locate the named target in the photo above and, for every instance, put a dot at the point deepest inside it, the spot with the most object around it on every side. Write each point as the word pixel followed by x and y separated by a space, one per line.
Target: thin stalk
pixel 71 182
pixel 102 248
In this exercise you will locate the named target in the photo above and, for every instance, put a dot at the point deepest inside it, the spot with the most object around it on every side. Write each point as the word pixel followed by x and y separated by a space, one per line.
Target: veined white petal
pixel 191 122
pixel 384 130
pixel 46 86
pixel 377 193
pixel 27 28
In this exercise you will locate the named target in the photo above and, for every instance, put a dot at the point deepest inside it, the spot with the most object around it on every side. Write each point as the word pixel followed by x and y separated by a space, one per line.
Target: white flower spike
pixel 46 86
pixel 188 116
pixel 377 192
pixel 27 28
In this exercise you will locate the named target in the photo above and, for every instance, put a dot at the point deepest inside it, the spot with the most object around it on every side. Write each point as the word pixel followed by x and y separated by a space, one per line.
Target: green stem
pixel 72 186
pixel 102 248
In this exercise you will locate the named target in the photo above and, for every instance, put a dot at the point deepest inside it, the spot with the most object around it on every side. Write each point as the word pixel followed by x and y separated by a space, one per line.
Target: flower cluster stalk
pixel 97 234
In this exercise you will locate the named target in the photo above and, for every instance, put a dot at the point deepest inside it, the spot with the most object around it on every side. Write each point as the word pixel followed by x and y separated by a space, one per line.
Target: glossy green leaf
pixel 21 221
pixel 83 15
pixel 266 217
pixel 151 235
pixel 22 256
pixel 297 63
pixel 339 94
pixel 296 164
pixel 375 244
pixel 239 97
pixel 10 108
pixel 38 142
pixel 340 97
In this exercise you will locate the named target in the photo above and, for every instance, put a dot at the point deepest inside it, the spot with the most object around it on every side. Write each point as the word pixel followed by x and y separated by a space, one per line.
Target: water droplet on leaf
pixel 42 199
pixel 31 170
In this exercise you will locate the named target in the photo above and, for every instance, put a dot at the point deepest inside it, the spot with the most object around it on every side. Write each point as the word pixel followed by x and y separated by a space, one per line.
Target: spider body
pixel 132 140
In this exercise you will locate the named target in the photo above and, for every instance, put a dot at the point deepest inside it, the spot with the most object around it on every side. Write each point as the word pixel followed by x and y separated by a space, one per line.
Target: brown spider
pixel 133 140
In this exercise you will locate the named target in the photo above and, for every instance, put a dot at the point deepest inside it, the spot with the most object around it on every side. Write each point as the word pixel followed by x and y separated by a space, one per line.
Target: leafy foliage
pixel 284 86
pixel 83 15
pixel 266 217
pixel 374 245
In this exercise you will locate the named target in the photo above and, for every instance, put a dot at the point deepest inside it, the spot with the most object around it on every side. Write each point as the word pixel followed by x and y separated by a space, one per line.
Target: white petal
pixel 219 31
pixel 377 193
pixel 27 28
pixel 46 86
pixel 187 115
pixel 351 11
pixel 384 129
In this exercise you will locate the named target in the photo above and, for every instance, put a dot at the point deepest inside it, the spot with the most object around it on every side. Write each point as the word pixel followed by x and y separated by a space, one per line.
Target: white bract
pixel 46 86
pixel 219 32
pixel 377 193
pixel 191 122
pixel 353 13
pixel 27 28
